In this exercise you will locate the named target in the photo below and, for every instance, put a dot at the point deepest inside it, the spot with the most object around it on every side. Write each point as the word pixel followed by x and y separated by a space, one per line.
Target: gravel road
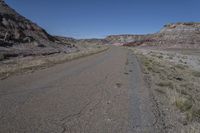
pixel 102 93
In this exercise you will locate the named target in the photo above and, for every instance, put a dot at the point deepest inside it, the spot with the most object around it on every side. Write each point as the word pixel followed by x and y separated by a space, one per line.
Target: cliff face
pixel 16 28
pixel 177 35
pixel 20 36
pixel 182 33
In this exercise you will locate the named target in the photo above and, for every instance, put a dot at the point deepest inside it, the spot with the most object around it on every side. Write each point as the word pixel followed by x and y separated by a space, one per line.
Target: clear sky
pixel 99 18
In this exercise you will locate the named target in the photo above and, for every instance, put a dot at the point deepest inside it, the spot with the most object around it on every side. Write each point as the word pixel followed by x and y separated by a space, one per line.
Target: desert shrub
pixel 179 66
pixel 2 57
pixel 187 86
pixel 193 113
pixel 196 113
pixel 161 91
pixel 196 73
pixel 166 84
pixel 171 57
pixel 184 103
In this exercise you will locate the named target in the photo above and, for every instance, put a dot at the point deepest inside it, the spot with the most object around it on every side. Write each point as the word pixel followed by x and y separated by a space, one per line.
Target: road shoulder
pixel 174 84
pixel 30 64
pixel 146 115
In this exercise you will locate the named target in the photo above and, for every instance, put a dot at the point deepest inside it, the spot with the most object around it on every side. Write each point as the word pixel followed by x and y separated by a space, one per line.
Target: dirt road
pixel 102 93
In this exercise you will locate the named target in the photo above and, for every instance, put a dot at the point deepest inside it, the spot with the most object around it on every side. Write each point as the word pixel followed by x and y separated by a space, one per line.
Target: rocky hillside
pixel 176 35
pixel 122 39
pixel 92 41
pixel 66 40
pixel 180 35
pixel 20 36
pixel 83 42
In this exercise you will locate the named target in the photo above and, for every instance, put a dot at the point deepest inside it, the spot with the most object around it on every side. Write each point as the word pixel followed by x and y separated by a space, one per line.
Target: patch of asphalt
pixel 159 115
pixel 88 95
pixel 146 115
pixel 55 78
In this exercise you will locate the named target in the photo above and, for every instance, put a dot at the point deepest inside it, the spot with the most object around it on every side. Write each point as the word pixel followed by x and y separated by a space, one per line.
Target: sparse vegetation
pixel 160 91
pixel 184 103
pixel 44 61
pixel 193 114
pixel 179 66
pixel 2 57
pixel 177 83
pixel 196 73
pixel 170 57
pixel 166 84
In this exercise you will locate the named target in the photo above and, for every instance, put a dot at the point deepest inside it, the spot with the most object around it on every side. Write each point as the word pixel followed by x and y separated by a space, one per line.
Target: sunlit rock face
pixel 20 36
pixel 182 32
pixel 176 35
pixel 17 27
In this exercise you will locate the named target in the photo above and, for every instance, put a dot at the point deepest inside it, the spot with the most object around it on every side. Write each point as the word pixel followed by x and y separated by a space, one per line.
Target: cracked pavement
pixel 102 93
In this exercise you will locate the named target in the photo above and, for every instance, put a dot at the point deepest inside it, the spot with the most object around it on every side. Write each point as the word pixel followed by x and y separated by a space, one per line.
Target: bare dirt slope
pixel 101 93
pixel 21 37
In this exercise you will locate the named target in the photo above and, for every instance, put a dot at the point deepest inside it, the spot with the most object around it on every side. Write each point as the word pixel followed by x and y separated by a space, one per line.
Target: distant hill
pixel 180 35
pixel 123 39
pixel 175 35
pixel 20 36
pixel 82 41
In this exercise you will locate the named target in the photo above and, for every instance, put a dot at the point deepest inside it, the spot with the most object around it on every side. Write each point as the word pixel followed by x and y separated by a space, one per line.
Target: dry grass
pixel 184 103
pixel 165 84
pixel 33 63
pixel 178 84
pixel 196 74
pixel 161 91
pixel 2 57
pixel 179 66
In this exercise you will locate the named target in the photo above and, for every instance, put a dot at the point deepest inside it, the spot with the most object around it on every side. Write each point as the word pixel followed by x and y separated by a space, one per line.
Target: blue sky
pixel 99 18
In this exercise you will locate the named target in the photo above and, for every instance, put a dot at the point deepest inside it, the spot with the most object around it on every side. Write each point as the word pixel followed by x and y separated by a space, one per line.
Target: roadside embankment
pixel 29 64
pixel 174 79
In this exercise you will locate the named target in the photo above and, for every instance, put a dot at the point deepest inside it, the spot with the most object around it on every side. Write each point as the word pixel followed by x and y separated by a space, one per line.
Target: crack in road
pixel 80 113
pixel 93 96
